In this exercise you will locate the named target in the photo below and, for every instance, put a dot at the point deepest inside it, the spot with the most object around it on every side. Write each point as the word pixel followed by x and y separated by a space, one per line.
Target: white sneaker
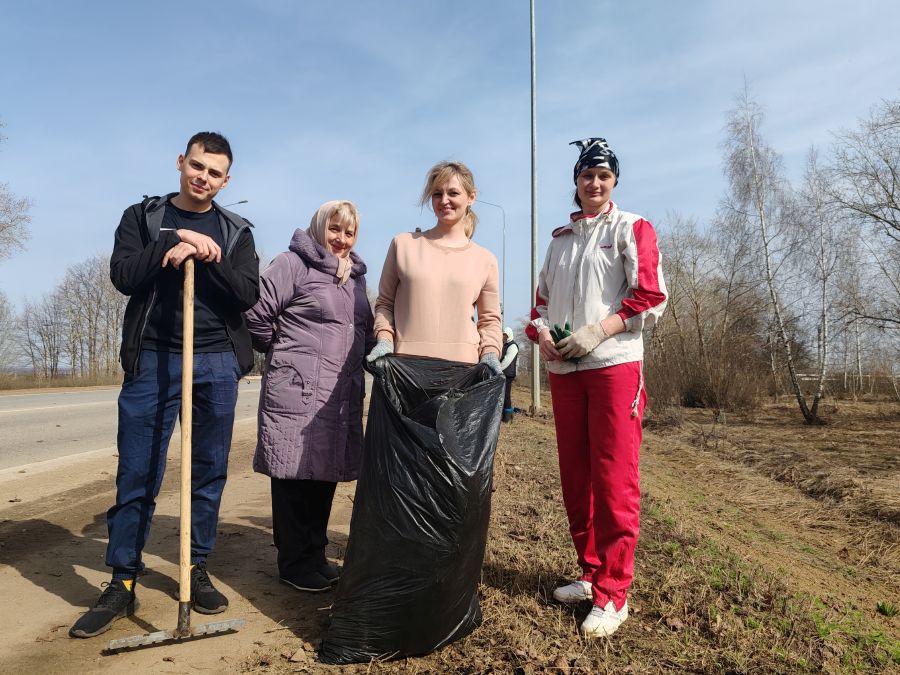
pixel 604 621
pixel 575 592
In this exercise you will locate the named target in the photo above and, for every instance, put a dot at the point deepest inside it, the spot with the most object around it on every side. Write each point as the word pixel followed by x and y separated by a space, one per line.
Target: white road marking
pixel 58 407
pixel 14 472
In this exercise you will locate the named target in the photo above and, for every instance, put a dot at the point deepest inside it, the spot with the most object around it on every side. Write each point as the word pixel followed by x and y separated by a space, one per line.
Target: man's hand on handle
pixel 178 254
pixel 207 249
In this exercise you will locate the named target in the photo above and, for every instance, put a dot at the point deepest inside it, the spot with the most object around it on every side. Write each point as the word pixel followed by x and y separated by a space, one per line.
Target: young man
pixel 152 241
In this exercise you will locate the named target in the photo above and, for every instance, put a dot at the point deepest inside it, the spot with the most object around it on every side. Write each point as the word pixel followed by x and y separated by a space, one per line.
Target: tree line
pixel 791 288
pixel 81 320
pixel 73 330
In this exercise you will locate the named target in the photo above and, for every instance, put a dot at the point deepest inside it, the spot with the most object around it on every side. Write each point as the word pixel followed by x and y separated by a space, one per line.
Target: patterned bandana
pixel 595 153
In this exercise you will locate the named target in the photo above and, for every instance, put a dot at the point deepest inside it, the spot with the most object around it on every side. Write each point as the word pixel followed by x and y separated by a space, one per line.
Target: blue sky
pixel 355 100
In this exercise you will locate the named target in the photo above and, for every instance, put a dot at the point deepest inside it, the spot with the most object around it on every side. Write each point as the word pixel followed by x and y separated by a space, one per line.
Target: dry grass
pixel 13 382
pixel 697 605
pixel 853 462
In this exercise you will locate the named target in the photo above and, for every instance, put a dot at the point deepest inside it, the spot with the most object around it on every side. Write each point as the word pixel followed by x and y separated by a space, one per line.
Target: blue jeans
pixel 148 405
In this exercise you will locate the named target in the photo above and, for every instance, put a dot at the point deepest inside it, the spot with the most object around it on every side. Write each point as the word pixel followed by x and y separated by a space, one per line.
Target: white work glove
pixel 381 348
pixel 584 340
pixel 491 361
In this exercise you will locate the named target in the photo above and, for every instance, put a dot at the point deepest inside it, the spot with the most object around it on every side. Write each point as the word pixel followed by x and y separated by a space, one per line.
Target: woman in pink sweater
pixel 431 282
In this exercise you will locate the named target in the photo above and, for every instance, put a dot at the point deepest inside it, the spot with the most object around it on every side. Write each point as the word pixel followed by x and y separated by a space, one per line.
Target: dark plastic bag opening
pixel 421 511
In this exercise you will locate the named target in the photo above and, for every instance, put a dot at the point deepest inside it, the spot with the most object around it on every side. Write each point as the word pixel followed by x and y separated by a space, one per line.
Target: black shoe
pixel 507 416
pixel 114 603
pixel 204 596
pixel 311 582
pixel 330 572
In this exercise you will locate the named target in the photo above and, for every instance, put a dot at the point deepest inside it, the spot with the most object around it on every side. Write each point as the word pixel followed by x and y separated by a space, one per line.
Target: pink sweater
pixel 426 298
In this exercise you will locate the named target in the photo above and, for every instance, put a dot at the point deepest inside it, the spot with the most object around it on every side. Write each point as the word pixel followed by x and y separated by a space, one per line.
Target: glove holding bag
pixel 491 361
pixel 381 349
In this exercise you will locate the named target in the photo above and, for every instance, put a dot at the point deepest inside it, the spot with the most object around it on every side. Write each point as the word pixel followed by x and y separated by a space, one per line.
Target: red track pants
pixel 598 436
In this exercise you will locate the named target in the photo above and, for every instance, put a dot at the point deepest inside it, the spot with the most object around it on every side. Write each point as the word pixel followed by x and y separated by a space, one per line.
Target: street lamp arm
pixel 481 201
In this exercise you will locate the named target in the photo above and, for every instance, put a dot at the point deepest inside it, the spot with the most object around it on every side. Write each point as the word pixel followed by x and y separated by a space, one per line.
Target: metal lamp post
pixel 535 356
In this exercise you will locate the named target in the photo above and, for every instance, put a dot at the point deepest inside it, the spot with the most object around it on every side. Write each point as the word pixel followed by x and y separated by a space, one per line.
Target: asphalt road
pixel 40 426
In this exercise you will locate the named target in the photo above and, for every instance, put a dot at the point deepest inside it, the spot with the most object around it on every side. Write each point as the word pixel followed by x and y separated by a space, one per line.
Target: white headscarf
pixel 318 226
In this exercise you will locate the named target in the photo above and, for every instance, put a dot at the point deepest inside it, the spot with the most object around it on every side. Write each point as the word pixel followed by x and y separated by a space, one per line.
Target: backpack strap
pixel 153 210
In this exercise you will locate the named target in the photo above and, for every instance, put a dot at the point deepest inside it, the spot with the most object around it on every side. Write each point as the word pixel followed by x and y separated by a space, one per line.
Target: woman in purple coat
pixel 314 324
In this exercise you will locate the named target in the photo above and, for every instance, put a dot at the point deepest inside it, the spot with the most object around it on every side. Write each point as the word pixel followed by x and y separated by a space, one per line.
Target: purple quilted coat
pixel 315 335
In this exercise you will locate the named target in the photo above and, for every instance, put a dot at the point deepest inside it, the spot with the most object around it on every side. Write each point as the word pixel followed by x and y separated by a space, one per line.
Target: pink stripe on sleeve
pixel 647 294
pixel 530 331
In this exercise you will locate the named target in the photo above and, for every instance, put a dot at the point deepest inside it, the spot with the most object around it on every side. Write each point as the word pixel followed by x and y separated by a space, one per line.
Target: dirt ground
pixel 745 564
pixel 52 546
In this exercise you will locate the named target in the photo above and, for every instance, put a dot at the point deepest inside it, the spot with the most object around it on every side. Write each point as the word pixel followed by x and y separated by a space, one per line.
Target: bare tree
pixel 113 317
pixel 737 333
pixel 686 270
pixel 93 311
pixel 865 182
pixel 707 346
pixel 8 339
pixel 77 325
pixel 759 194
pixel 821 256
pixel 14 219
pixel 83 288
pixel 43 334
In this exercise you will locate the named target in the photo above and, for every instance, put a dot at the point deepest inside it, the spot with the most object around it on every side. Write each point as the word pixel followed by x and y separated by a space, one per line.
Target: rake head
pixel 177 635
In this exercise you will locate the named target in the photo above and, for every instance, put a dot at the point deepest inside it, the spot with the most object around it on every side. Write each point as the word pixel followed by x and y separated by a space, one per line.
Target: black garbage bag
pixel 420 515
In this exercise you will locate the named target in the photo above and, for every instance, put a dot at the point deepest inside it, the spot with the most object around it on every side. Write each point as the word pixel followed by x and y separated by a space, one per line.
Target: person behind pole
pixel 508 361
pixel 602 275
pixel 152 241
pixel 432 280
pixel 314 323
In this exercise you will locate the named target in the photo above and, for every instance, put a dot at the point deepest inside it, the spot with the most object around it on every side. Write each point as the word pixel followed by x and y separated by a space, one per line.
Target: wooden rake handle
pixel 187 386
pixel 183 629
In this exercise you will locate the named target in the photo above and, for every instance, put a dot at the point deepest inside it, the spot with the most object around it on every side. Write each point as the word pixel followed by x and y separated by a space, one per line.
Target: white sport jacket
pixel 596 266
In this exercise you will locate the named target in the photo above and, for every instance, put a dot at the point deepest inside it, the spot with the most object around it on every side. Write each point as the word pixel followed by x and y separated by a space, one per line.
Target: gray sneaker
pixel 205 598
pixel 114 602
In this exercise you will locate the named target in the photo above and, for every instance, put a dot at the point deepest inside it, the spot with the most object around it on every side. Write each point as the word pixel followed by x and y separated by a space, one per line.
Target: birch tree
pixel 821 258
pixel 759 193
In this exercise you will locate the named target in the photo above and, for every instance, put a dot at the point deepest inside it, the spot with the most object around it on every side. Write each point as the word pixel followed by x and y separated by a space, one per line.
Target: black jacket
pixel 136 262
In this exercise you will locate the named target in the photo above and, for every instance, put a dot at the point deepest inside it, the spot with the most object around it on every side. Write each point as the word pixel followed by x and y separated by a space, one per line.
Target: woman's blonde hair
pixel 439 175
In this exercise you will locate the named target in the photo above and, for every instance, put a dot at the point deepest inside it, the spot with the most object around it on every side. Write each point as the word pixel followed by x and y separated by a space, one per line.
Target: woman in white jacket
pixel 602 275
